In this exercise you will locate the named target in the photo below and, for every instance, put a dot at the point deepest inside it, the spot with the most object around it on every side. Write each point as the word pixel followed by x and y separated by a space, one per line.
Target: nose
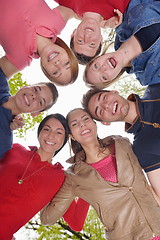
pixel 81 124
pixel 33 96
pixel 57 62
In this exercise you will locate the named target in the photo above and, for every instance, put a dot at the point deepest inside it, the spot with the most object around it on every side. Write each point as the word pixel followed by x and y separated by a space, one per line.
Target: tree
pixel 93 229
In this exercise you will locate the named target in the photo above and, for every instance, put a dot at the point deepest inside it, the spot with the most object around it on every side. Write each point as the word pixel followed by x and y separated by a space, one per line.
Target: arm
pixel 154 179
pixel 63 200
pixel 7 67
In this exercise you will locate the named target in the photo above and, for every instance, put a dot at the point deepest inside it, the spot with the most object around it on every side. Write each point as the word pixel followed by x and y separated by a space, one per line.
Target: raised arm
pixel 7 67
pixel 65 200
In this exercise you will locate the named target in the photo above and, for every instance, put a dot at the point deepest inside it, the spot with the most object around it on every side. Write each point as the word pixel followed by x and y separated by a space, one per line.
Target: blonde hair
pixel 72 60
pixel 102 84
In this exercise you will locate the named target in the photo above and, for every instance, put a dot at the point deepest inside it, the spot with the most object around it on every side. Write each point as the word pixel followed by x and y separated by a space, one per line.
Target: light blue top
pixel 140 14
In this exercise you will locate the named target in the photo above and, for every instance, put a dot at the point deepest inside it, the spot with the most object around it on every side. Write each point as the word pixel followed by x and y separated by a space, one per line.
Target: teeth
pixel 50 143
pixel 88 29
pixel 110 64
pixel 115 107
pixel 26 100
pixel 53 55
pixel 85 131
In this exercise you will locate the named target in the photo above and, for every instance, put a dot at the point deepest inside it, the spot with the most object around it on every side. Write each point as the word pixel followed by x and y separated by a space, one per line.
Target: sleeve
pixel 76 214
pixel 59 204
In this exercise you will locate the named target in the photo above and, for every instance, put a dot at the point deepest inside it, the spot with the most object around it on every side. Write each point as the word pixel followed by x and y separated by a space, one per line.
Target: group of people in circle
pixel 108 173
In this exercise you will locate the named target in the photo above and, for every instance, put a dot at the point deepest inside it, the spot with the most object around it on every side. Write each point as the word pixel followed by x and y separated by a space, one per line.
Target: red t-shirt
pixel 103 7
pixel 20 202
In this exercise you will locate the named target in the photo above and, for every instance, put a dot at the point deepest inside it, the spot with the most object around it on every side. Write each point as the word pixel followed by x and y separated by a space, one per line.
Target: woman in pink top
pixel 29 30
pixel 106 173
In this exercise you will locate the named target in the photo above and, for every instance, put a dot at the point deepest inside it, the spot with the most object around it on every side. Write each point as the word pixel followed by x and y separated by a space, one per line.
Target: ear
pixel 72 35
pixel 35 114
pixel 71 136
pixel 106 123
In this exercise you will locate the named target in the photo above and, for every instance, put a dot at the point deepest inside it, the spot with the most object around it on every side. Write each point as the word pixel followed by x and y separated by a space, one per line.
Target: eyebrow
pixel 99 96
pixel 56 128
pixel 77 120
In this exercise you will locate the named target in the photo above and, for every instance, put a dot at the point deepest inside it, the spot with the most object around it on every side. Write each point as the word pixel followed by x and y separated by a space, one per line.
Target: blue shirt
pixel 140 14
pixel 146 144
pixel 6 135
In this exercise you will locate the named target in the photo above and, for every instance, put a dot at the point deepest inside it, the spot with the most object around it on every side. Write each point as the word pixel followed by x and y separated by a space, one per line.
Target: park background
pixel 69 98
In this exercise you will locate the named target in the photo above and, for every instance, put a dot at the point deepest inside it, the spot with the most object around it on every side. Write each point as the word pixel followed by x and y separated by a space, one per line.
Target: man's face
pixel 87 37
pixel 108 107
pixel 35 98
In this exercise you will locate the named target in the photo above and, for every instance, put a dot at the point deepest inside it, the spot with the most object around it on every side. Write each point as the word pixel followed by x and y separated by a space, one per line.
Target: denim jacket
pixel 140 14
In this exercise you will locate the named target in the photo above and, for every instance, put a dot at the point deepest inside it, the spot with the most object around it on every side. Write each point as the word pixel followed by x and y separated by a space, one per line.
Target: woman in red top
pixel 86 39
pixel 29 180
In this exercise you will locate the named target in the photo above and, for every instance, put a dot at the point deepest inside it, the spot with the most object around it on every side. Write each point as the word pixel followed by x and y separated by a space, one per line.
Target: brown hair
pixel 102 84
pixel 73 64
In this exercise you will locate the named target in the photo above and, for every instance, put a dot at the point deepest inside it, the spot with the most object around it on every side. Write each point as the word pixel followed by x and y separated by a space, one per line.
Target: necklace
pixel 20 181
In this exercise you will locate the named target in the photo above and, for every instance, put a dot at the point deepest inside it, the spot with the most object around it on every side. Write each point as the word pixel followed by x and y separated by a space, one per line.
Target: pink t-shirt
pixel 20 21
pixel 107 168
pixel 103 7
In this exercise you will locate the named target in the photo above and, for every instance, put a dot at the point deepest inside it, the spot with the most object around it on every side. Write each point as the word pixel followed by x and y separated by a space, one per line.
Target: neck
pixel 95 16
pixel 11 105
pixel 66 13
pixel 45 156
pixel 41 43
pixel 130 50
pixel 132 113
pixel 91 151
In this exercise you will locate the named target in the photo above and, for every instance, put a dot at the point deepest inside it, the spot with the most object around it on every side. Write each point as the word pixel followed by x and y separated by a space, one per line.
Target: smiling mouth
pixel 85 131
pixel 115 107
pixel 50 143
pixel 89 30
pixel 112 62
pixel 52 56
pixel 26 100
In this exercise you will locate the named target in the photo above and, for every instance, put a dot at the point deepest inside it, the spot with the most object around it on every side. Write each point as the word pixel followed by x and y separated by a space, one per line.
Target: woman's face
pixel 55 61
pixel 104 68
pixel 83 128
pixel 52 135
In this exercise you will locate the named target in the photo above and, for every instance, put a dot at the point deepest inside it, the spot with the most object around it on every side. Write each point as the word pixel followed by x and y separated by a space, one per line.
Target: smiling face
pixel 51 137
pixel 83 128
pixel 55 61
pixel 104 68
pixel 87 37
pixel 31 99
pixel 108 106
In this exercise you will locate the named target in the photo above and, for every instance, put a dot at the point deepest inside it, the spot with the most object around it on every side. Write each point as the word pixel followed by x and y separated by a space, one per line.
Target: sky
pixel 69 98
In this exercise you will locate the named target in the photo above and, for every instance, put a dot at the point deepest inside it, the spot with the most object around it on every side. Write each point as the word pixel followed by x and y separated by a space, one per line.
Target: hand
pixel 114 21
pixel 17 122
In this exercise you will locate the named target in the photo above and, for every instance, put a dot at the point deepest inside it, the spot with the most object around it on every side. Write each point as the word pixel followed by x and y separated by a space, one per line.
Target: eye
pixel 59 132
pixel 80 41
pixel 35 89
pixel 86 118
pixel 95 66
pixel 73 125
pixel 46 129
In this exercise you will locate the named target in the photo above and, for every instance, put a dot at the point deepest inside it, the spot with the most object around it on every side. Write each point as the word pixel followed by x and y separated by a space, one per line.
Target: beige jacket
pixel 127 209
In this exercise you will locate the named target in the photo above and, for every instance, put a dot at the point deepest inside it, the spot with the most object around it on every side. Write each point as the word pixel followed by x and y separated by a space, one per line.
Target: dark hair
pixel 83 59
pixel 86 98
pixel 62 120
pixel 54 92
pixel 72 60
